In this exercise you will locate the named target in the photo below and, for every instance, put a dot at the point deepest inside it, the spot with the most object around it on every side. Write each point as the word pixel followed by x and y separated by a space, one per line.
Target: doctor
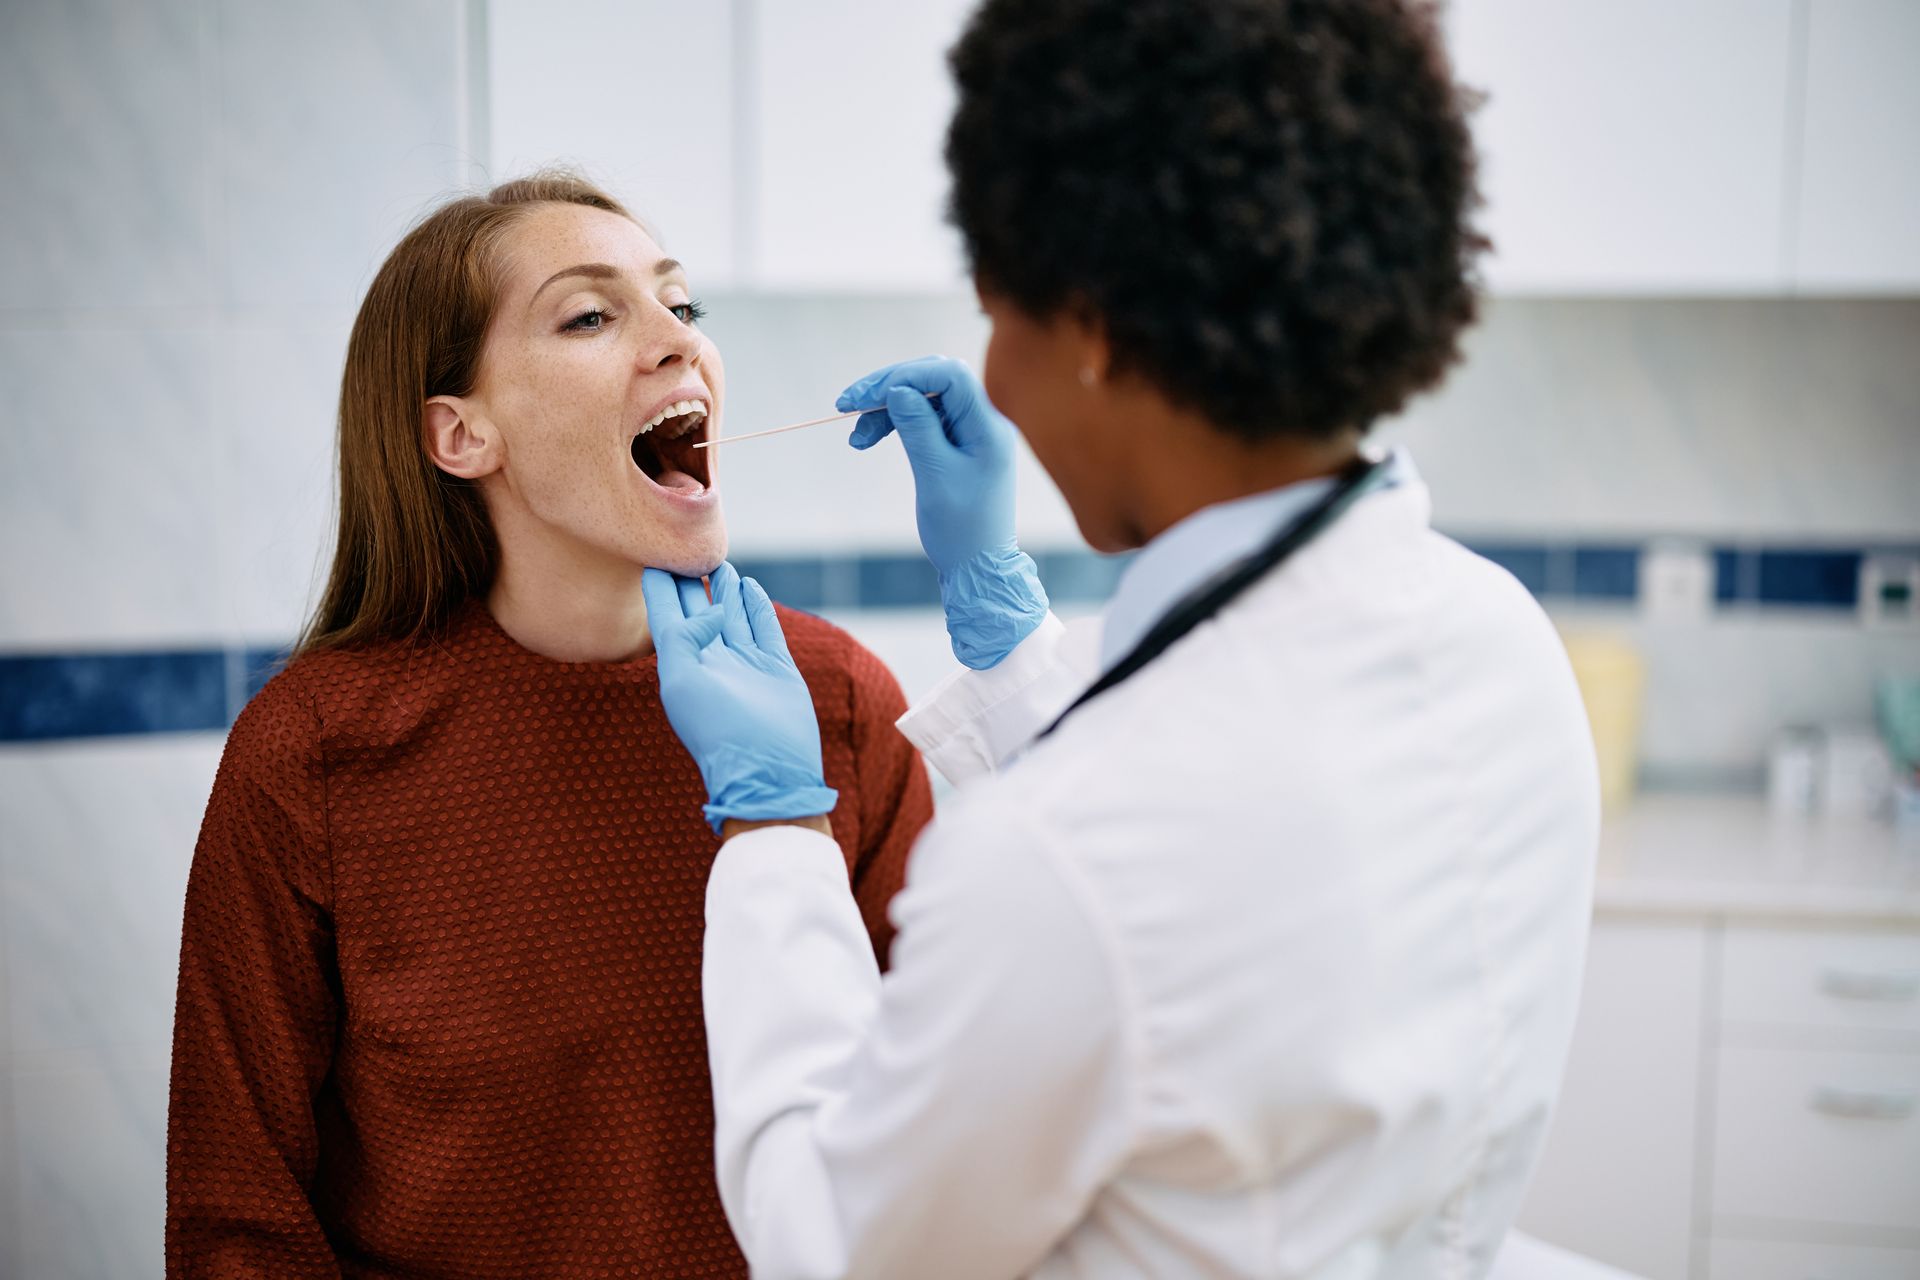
pixel 1251 941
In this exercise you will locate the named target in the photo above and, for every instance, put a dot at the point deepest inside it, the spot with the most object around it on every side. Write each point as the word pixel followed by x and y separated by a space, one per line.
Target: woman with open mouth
pixel 439 1004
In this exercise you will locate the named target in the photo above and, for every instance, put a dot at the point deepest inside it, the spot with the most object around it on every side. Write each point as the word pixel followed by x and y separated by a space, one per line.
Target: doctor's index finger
pixel 678 615
pixel 734 627
pixel 765 622
pixel 929 375
pixel 694 597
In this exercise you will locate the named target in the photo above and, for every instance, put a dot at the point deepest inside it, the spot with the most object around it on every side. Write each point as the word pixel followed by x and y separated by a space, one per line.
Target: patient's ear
pixel 459 439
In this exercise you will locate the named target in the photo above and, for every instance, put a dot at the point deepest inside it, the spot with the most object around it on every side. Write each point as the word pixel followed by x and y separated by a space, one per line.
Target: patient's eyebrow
pixel 590 270
pixel 600 271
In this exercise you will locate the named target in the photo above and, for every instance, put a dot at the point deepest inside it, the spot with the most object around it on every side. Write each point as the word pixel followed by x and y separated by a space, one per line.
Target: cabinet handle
pixel 1862 1104
pixel 1867 984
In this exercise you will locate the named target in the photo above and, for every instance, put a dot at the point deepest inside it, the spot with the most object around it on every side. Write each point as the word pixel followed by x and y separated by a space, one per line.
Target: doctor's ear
pixel 1087 335
pixel 459 441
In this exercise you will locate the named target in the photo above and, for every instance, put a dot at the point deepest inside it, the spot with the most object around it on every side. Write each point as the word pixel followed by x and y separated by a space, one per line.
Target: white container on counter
pixel 1856 775
pixel 1793 772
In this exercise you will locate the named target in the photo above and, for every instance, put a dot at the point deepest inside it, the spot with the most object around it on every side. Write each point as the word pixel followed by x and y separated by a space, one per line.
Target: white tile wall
pixel 9 1139
pixel 638 92
pixel 787 359
pixel 195 196
pixel 339 124
pixel 273 467
pixel 101 115
pixel 91 1169
pixel 1718 690
pixel 107 498
pixel 92 879
pixel 93 875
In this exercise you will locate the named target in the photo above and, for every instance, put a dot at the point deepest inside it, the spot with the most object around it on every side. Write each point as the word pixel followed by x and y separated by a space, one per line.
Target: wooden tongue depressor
pixel 774 431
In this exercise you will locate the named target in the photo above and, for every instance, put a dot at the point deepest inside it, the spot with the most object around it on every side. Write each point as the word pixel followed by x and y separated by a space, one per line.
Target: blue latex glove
pixel 735 697
pixel 961 450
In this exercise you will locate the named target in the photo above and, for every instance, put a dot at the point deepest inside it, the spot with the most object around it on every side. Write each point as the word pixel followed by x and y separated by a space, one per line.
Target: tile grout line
pixel 1793 163
pixel 745 141
pixel 1705 1090
pixel 473 103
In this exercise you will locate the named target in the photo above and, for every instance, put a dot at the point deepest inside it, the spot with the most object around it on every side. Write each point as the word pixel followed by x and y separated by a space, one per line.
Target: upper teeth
pixel 675 410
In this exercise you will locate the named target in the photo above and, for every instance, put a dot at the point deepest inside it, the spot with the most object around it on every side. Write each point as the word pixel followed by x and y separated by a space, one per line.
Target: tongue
pixel 679 481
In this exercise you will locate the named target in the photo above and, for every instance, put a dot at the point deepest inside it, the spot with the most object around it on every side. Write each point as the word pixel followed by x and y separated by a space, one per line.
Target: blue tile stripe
pixel 50 696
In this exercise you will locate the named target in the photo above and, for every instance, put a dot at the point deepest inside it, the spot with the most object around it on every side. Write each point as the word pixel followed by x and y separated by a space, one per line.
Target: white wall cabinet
pixel 1857 222
pixel 1633 147
pixel 850 102
pixel 1636 146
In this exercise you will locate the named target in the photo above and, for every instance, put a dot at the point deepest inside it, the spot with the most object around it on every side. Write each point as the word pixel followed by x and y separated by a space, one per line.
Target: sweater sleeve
pixel 895 796
pixel 257 1009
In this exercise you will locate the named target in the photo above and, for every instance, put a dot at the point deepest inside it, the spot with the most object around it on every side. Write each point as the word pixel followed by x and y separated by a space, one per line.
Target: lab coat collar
pixel 1197 547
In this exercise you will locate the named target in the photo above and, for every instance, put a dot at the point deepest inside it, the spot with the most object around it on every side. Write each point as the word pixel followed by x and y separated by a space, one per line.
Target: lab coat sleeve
pixel 952 1120
pixel 974 721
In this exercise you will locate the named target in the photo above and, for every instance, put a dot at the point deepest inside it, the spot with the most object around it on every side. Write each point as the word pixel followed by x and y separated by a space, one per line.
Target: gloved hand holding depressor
pixel 736 699
pixel 962 453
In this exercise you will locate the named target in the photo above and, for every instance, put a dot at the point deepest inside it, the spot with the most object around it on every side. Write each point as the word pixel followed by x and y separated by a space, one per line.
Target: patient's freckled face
pixel 574 365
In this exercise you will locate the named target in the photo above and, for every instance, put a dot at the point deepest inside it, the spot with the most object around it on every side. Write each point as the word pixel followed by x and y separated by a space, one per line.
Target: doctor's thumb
pixel 921 429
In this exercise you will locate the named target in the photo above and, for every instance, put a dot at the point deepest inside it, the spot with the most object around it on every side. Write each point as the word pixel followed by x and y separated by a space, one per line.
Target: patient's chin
pixel 691 557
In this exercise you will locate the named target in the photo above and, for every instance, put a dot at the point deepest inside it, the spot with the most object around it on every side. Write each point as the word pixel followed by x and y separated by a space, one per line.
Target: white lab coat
pixel 1265 964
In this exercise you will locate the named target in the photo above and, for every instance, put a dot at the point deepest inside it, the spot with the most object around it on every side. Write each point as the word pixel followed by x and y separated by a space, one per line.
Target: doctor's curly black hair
pixel 1266 203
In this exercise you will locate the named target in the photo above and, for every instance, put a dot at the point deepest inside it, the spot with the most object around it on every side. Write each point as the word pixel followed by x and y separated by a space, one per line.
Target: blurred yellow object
pixel 1613 682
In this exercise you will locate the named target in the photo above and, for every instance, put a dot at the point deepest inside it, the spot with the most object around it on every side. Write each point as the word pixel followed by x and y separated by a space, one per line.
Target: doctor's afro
pixel 1264 202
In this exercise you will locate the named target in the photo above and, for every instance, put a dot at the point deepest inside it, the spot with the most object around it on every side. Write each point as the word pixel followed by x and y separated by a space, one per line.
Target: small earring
pixel 1088 378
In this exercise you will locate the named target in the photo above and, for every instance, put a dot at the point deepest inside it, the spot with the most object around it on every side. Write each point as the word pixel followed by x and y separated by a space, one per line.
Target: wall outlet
pixel 1676 581
pixel 1890 591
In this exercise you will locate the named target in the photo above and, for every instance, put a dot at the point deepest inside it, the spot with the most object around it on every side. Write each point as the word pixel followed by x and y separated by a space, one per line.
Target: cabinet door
pixel 1853 980
pixel 640 94
pixel 1616 1181
pixel 1785 1260
pixel 849 103
pixel 1858 229
pixel 1808 1135
pixel 1636 146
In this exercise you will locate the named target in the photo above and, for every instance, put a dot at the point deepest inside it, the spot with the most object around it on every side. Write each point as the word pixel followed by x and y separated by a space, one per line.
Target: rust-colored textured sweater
pixel 439 1005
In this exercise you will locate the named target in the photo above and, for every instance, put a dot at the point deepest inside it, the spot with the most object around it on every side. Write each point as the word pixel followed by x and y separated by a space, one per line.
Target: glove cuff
pixel 993 601
pixel 768 804
pixel 761 784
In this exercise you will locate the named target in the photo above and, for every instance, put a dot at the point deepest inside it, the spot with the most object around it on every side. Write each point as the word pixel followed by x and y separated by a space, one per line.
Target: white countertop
pixel 1707 855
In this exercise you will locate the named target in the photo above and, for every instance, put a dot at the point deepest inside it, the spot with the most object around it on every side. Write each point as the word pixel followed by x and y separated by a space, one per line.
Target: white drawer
pixel 1818 1136
pixel 1810 978
pixel 1775 1260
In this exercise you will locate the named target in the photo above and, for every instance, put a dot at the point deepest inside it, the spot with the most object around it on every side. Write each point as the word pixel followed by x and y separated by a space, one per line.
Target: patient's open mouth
pixel 664 448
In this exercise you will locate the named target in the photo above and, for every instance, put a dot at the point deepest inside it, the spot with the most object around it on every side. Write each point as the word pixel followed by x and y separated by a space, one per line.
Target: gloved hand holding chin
pixel 962 453
pixel 733 694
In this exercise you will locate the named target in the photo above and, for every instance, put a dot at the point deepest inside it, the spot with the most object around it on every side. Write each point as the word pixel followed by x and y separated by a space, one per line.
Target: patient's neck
pixel 565 601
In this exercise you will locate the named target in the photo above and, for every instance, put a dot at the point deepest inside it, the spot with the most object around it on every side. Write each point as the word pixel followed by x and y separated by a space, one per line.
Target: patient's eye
pixel 688 312
pixel 591 321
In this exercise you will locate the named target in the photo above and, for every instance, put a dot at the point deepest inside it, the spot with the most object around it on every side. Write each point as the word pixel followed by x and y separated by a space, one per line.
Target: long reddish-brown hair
pixel 413 541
